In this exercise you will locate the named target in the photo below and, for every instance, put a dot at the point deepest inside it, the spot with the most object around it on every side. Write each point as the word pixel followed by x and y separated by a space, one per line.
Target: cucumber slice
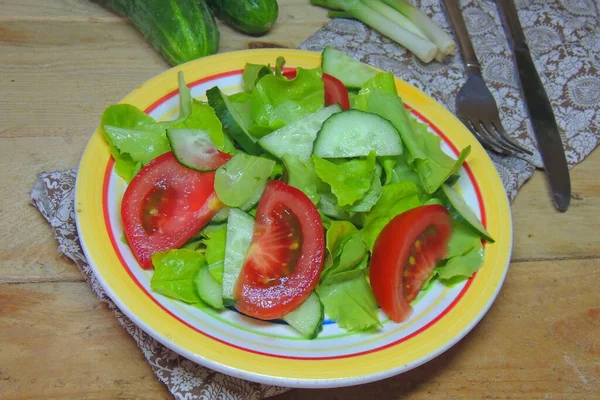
pixel 240 227
pixel 194 149
pixel 465 213
pixel 232 122
pixel 298 137
pixel 307 319
pixel 355 133
pixel 208 288
pixel 351 72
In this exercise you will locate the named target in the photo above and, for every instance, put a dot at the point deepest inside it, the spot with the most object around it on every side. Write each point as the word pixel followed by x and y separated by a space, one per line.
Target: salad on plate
pixel 311 194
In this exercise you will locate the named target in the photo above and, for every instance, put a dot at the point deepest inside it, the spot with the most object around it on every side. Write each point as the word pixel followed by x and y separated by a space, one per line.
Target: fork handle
pixel 462 35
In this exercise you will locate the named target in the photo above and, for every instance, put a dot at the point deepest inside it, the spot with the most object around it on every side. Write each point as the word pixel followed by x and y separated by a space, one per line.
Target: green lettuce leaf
pixel 337 233
pixel 302 175
pixel 174 274
pixel 462 241
pixel 134 137
pixel 391 107
pixel 125 167
pixel 253 73
pixel 461 267
pixel 402 172
pixel 203 117
pixel 214 240
pixel 328 207
pixel 242 178
pixel 395 199
pixel 351 253
pixel 388 163
pixel 371 197
pixel 349 300
pixel 278 101
pixel 438 166
pixel 349 180
pixel 383 82
pixel 279 64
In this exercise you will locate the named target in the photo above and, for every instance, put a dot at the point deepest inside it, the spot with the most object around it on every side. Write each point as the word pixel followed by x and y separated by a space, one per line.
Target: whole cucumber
pixel 253 17
pixel 181 30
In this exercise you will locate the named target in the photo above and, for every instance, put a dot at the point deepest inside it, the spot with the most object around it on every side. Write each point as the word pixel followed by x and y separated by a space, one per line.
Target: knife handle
pixel 462 35
pixel 511 21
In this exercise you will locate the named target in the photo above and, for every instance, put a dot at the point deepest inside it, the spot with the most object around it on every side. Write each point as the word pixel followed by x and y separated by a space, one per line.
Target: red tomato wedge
pixel 166 204
pixel 285 258
pixel 335 91
pixel 405 253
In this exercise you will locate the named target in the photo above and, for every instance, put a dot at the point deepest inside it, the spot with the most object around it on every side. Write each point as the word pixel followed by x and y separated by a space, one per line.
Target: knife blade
pixel 540 111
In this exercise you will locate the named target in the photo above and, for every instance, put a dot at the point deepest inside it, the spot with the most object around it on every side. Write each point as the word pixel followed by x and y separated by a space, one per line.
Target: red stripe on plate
pixel 169 95
pixel 107 176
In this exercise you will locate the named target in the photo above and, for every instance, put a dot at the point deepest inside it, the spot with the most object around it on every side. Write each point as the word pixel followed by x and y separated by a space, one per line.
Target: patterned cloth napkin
pixel 565 40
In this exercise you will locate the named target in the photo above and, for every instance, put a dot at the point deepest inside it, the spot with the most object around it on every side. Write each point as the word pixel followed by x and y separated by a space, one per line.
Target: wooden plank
pixel 28 251
pixel 59 341
pixel 46 10
pixel 541 232
pixel 519 350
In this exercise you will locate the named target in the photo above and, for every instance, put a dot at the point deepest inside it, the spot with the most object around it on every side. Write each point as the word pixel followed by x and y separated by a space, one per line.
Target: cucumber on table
pixel 240 228
pixel 307 319
pixel 355 133
pixel 181 30
pixel 297 138
pixel 253 17
pixel 352 73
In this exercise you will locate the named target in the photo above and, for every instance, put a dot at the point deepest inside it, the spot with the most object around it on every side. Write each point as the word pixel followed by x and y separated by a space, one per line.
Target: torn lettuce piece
pixel 395 199
pixel 388 163
pixel 351 253
pixel 349 300
pixel 278 101
pixel 214 241
pixel 242 178
pixel 382 82
pixel 253 73
pixel 461 267
pixel 134 138
pixel 337 233
pixel 203 117
pixel 462 240
pixel 175 272
pixel 349 180
pixel 391 107
pixel 302 175
pixel 371 197
pixel 438 166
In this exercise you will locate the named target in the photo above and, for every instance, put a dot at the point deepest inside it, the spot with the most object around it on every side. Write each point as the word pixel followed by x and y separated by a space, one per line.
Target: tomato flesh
pixel 335 91
pixel 404 256
pixel 285 258
pixel 164 205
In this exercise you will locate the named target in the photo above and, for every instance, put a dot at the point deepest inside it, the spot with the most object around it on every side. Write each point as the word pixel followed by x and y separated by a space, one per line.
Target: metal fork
pixel 475 105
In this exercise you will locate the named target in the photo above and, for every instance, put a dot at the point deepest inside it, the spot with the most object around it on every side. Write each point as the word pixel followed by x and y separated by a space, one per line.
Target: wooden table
pixel 63 61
